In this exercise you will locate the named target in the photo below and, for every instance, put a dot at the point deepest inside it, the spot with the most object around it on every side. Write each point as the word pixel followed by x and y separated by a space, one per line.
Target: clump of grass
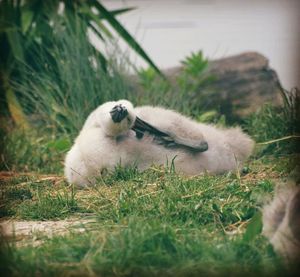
pixel 189 92
pixel 272 123
pixel 47 206
pixel 122 174
pixel 194 201
pixel 146 248
pixel 152 223
pixel 37 199
pixel 25 151
pixel 18 194
pixel 11 198
pixel 65 84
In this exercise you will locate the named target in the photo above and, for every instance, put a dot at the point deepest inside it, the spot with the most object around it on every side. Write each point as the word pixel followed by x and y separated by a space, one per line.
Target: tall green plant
pixel 62 89
pixel 30 24
pixel 188 91
pixel 276 128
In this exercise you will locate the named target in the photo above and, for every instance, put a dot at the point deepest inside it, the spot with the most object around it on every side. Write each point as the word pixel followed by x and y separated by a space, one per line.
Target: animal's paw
pixel 118 113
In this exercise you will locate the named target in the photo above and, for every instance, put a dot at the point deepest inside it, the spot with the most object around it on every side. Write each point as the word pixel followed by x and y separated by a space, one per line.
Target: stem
pixel 13 104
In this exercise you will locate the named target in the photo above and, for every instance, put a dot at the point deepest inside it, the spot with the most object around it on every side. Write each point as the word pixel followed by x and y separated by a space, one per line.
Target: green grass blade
pixel 125 35
pixel 120 11
pixel 254 228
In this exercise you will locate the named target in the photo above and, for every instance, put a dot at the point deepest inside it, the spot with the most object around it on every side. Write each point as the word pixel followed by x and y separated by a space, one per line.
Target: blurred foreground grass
pixel 150 223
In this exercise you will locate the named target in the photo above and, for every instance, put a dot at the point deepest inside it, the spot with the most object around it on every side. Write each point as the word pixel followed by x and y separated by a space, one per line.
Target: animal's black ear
pixel 168 139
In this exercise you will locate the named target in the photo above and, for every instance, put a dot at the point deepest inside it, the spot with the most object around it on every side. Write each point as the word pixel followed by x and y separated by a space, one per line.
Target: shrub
pixel 276 123
pixel 65 86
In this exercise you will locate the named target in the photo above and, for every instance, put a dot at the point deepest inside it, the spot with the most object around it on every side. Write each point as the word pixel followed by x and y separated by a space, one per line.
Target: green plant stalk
pixel 125 35
pixel 14 106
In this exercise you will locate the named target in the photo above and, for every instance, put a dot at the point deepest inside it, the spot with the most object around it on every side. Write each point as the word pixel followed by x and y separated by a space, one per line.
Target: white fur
pixel 103 144
pixel 281 221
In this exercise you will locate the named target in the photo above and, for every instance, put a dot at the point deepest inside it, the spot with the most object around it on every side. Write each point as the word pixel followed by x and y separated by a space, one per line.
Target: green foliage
pixel 270 123
pixel 37 22
pixel 122 174
pixel 30 151
pixel 147 248
pixel 10 197
pixel 173 199
pixel 193 75
pixel 189 91
pixel 18 194
pixel 27 26
pixel 61 145
pixel 212 116
pixel 254 228
pixel 157 192
pixel 155 223
pixel 123 33
pixel 148 79
pixel 63 92
pixel 195 64
pixel 48 206
pixel 34 199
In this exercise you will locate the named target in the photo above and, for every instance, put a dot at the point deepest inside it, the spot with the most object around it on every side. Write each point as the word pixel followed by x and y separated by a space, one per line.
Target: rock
pixel 244 82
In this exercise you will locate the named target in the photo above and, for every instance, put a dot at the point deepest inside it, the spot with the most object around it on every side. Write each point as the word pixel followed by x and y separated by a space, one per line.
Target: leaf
pixel 216 208
pixel 208 116
pixel 87 9
pixel 14 106
pixel 62 144
pixel 102 27
pixel 102 58
pixel 124 34
pixel 15 44
pixel 254 227
pixel 120 11
pixel 86 12
pixel 26 20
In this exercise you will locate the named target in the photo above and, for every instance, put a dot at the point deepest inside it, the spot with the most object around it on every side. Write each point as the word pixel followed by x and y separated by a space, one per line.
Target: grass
pixel 149 223
pixel 270 123
pixel 149 248
pixel 190 91
pixel 32 151
pixel 152 223
pixel 62 86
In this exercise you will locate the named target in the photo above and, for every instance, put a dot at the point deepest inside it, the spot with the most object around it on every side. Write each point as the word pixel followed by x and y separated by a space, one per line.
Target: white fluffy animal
pixel 112 135
pixel 281 221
